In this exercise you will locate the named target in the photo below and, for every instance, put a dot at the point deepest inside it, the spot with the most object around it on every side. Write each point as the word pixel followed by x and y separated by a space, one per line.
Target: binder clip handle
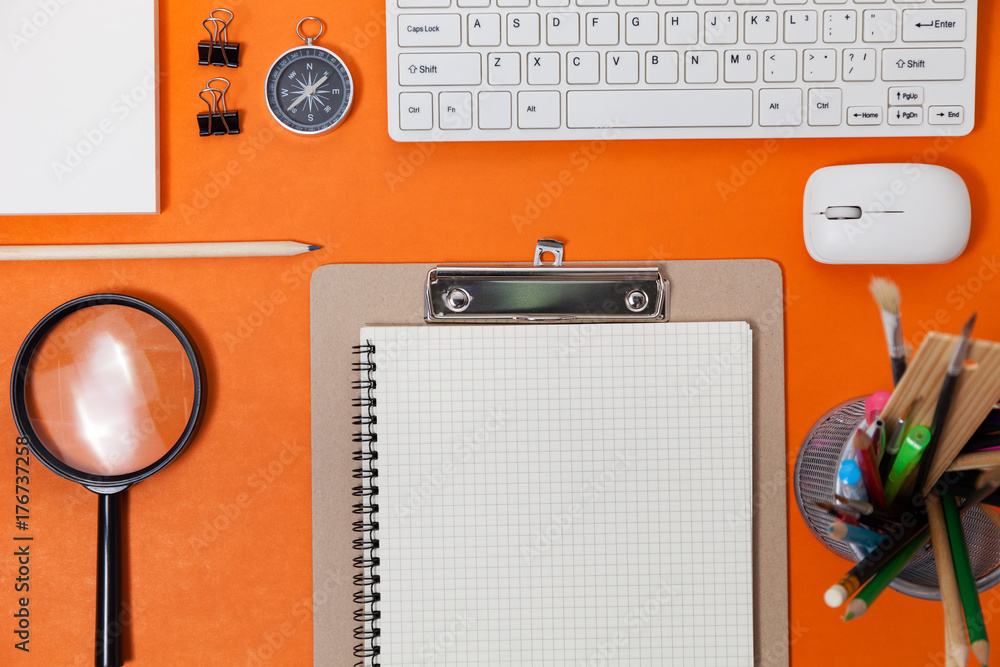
pixel 218 50
pixel 219 120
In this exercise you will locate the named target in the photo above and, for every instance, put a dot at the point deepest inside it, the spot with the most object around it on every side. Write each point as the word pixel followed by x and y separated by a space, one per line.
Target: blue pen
pixel 849 477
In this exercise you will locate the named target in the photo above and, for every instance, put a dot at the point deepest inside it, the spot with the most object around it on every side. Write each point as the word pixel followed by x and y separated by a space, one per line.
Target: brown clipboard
pixel 346 297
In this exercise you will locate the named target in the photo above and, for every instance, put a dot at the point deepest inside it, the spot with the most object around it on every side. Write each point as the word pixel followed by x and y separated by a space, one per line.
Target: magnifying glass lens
pixel 109 390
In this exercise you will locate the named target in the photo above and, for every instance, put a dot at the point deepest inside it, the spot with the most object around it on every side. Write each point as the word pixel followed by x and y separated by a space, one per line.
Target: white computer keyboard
pixel 514 70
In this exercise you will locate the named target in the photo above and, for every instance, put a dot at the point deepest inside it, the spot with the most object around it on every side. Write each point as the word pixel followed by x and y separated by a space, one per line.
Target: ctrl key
pixel 415 111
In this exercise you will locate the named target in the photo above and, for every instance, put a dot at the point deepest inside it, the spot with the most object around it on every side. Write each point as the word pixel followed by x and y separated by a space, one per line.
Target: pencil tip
pixel 315 247
pixel 849 616
pixel 981 649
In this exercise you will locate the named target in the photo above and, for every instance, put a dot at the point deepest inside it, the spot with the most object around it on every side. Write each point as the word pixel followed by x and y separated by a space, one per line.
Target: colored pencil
pixel 956 645
pixel 866 508
pixel 865 455
pixel 976 461
pixel 863 537
pixel 886 574
pixel 966 581
pixel 868 566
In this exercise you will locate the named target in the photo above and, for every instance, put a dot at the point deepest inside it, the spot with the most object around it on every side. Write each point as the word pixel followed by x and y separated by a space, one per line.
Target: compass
pixel 309 89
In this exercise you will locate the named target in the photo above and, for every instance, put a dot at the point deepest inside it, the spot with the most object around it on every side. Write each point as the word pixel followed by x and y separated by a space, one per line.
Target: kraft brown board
pixel 346 297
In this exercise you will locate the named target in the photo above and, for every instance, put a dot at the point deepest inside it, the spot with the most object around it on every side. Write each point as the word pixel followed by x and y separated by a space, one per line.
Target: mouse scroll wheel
pixel 844 213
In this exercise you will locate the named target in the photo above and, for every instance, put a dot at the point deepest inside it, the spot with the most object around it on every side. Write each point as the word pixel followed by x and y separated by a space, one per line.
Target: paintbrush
pixel 955 366
pixel 888 298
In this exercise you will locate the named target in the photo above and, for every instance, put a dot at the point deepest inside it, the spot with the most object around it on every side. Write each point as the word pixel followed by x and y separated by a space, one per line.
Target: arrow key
pixel 946 115
pixel 906 96
pixel 906 116
pixel 864 115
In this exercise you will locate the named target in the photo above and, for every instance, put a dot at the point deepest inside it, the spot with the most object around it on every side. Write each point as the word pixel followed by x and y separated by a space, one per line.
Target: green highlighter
pixel 906 461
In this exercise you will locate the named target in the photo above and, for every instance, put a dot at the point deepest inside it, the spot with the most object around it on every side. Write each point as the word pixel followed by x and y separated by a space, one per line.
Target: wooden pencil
pixel 885 576
pixel 154 250
pixel 966 581
pixel 976 461
pixel 956 648
pixel 991 514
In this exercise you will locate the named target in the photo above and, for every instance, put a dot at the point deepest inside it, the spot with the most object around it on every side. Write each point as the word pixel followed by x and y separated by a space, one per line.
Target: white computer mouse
pixel 886 214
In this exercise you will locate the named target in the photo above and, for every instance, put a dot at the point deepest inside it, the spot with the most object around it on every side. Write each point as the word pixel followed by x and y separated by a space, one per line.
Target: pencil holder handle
pixel 815 479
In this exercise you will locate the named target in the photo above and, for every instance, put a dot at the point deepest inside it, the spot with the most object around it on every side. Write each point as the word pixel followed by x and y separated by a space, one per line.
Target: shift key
pixel 440 69
pixel 923 64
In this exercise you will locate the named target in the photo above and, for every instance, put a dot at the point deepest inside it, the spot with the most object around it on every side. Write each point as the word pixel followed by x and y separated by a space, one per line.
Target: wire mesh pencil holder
pixel 815 480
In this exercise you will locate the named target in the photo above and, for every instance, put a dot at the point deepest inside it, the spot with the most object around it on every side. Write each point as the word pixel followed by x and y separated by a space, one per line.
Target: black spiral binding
pixel 366 526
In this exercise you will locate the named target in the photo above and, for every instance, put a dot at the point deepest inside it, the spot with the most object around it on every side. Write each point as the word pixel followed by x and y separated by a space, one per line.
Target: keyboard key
pixel 879 26
pixel 859 65
pixel 761 28
pixel 659 108
pixel 455 110
pixel 538 110
pixel 583 67
pixel 825 106
pixel 801 26
pixel 934 25
pixel 562 29
pixel 503 69
pixel 440 69
pixel 864 115
pixel 642 28
pixel 840 26
pixel 661 66
pixel 494 110
pixel 523 30
pixel 681 28
pixel 543 69
pixel 415 111
pixel 484 30
pixel 721 27
pixel 622 67
pixel 602 29
pixel 741 66
pixel 820 65
pixel 430 30
pixel 946 115
pixel 781 107
pixel 906 96
pixel 780 66
pixel 906 116
pixel 701 66
pixel 923 64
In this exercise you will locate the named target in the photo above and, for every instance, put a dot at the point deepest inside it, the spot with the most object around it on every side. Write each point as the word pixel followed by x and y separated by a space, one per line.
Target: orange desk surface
pixel 218 544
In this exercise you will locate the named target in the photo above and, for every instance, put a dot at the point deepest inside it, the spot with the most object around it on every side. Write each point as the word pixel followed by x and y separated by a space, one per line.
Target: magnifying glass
pixel 107 390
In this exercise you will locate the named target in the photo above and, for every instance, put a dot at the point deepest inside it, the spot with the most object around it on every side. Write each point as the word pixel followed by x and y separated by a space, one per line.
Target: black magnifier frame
pixel 109 487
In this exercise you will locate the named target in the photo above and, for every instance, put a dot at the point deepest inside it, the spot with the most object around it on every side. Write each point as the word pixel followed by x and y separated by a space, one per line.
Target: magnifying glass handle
pixel 108 651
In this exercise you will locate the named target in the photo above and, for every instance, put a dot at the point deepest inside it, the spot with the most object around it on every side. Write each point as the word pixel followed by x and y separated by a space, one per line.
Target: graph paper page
pixel 564 494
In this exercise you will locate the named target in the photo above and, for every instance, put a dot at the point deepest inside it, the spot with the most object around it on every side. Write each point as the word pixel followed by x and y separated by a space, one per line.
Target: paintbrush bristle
pixel 886 294
pixel 967 329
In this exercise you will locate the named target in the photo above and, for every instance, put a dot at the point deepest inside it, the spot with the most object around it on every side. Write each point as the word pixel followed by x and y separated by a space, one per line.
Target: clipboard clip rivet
pixel 457 299
pixel 636 300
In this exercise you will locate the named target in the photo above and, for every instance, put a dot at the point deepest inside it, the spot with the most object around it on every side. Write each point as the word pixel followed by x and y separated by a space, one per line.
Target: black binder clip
pixel 218 120
pixel 218 50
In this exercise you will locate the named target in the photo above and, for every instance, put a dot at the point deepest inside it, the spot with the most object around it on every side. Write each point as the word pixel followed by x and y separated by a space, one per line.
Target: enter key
pixel 934 25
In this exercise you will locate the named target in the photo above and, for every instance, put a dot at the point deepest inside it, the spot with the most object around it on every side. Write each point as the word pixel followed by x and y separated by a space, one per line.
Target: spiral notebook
pixel 575 494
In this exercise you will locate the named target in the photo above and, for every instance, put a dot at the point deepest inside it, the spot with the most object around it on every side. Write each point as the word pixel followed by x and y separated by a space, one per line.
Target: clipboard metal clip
pixel 541 291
